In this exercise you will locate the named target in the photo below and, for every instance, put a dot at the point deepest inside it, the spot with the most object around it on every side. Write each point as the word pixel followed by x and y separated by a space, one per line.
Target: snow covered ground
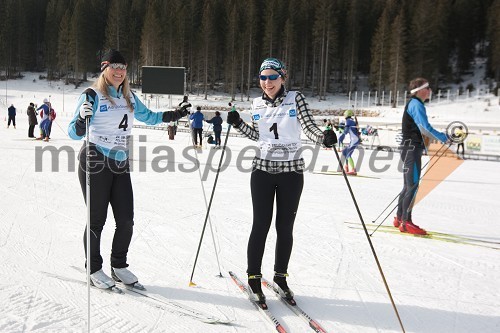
pixel 438 286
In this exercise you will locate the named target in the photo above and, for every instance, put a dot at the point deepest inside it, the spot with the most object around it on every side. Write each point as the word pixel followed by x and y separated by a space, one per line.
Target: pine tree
pixel 150 50
pixel 397 55
pixel 63 46
pixel 494 40
pixel 380 52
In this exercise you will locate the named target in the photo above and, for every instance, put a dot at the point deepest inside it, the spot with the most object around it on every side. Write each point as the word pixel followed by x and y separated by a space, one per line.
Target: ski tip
pixel 192 284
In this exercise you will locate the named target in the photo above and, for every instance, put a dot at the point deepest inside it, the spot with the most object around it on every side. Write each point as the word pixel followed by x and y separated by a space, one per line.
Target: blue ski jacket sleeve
pixel 417 111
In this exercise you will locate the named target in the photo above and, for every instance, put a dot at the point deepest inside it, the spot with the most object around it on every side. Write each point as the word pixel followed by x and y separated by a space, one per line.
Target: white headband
pixel 425 85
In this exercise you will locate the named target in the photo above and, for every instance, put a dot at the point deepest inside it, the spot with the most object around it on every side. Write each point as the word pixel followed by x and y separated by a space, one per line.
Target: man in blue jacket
pixel 197 125
pixel 415 124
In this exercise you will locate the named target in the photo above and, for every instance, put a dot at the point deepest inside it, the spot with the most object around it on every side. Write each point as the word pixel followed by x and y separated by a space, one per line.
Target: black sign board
pixel 163 80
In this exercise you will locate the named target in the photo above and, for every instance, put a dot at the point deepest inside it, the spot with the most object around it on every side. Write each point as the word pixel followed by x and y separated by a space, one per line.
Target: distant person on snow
pixel 278 117
pixel 12 116
pixel 351 128
pixel 111 108
pixel 217 124
pixel 197 126
pixel 46 122
pixel 32 121
pixel 414 126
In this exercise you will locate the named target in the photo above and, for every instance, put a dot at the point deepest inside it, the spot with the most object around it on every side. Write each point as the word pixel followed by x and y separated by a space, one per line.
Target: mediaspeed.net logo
pixel 444 159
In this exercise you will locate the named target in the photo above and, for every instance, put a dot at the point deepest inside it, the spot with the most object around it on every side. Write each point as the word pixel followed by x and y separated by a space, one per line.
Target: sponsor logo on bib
pixel 103 108
pixel 292 113
pixel 256 117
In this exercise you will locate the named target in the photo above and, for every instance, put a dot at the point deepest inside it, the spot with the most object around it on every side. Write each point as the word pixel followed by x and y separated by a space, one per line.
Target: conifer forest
pixel 327 45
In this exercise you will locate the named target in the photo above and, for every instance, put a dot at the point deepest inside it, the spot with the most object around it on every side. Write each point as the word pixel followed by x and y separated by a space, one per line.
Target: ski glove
pixel 329 138
pixel 85 110
pixel 233 118
pixel 169 116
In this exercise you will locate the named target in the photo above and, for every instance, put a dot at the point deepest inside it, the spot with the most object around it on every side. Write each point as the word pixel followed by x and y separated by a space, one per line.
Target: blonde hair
pixel 102 85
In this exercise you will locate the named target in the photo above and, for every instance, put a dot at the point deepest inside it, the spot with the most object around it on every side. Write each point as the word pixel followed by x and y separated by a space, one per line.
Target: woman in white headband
pixel 415 125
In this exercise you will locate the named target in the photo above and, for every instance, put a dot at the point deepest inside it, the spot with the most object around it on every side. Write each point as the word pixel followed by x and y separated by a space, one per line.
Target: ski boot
pixel 100 280
pixel 409 227
pixel 284 291
pixel 126 277
pixel 256 294
pixel 397 222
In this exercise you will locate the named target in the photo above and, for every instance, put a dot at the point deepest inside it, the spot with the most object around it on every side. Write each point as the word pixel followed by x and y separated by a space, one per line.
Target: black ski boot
pixel 285 292
pixel 254 282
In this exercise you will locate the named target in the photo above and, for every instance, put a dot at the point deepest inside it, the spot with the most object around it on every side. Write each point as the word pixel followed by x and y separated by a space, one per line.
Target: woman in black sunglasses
pixel 278 117
pixel 110 106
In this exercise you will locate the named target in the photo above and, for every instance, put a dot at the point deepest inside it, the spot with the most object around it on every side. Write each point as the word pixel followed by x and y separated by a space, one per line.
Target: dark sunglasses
pixel 271 77
pixel 118 66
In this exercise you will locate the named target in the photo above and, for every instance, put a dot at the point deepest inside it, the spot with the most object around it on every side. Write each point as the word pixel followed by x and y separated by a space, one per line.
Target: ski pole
pixel 369 240
pixel 209 219
pixel 87 200
pixel 397 195
pixel 191 283
pixel 411 189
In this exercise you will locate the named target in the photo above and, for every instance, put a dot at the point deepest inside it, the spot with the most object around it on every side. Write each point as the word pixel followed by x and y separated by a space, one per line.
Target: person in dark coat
pixel 32 121
pixel 12 116
pixel 217 124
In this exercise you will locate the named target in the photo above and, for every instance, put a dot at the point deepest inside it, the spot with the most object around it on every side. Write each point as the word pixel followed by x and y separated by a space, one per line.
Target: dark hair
pixel 198 108
pixel 217 113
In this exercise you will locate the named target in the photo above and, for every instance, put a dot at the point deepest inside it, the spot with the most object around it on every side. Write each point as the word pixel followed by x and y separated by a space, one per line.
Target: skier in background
pixel 414 126
pixel 45 122
pixel 351 128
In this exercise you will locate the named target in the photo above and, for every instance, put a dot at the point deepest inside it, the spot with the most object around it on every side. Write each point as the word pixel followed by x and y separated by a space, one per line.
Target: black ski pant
pixel 31 130
pixel 12 119
pixel 109 184
pixel 286 187
pixel 197 133
pixel 412 164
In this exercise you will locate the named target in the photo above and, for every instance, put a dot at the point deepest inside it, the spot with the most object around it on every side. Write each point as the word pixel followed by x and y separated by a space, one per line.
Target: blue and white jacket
pixel 111 123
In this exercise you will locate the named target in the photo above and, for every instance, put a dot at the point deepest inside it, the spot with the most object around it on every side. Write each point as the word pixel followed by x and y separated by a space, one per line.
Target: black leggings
pixel 412 165
pixel 109 184
pixel 287 188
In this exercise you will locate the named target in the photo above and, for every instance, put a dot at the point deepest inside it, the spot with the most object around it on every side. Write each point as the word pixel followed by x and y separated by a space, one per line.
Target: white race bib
pixel 279 129
pixel 111 125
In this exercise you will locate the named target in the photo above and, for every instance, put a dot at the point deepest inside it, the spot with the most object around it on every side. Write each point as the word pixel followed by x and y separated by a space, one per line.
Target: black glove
pixel 329 138
pixel 233 118
pixel 169 116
